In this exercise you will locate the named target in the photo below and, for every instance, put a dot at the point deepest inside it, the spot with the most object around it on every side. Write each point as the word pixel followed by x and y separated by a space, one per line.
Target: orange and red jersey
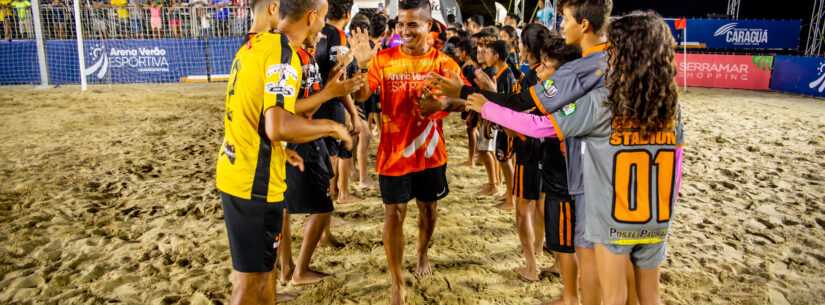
pixel 409 142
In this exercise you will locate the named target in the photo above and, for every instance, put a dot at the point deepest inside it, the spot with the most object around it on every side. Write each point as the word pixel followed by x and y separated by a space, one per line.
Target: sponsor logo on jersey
pixel 742 36
pixel 568 109
pixel 550 89
pixel 285 73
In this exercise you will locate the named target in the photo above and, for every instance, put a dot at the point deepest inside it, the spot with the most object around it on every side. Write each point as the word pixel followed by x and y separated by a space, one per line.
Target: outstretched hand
pixel 294 159
pixel 360 46
pixel 484 81
pixel 449 85
pixel 337 86
pixel 341 133
pixel 475 102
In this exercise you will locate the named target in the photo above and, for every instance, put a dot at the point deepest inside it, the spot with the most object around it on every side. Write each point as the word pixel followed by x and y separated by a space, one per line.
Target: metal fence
pixel 128 22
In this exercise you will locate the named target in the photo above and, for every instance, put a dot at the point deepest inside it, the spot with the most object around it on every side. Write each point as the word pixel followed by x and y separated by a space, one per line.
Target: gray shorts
pixel 647 256
pixel 484 143
pixel 578 235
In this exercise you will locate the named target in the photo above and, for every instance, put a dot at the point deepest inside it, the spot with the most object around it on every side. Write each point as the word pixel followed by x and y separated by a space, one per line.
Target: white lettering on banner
pixel 819 82
pixel 142 59
pixel 704 70
pixel 742 36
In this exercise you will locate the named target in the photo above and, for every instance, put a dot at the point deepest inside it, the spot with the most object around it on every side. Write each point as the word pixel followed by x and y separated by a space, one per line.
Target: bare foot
pixel 552 269
pixel 506 205
pixel 423 269
pixel 366 185
pixel 344 198
pixel 530 276
pixel 286 273
pixel 283 297
pixel 330 242
pixel 397 296
pixel 488 190
pixel 468 164
pixel 562 301
pixel 310 277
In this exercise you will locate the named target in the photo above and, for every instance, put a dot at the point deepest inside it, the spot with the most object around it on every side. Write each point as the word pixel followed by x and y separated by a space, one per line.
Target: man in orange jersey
pixel 412 157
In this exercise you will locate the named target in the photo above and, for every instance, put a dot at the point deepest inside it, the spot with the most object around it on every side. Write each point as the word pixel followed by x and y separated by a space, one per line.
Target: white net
pixel 130 41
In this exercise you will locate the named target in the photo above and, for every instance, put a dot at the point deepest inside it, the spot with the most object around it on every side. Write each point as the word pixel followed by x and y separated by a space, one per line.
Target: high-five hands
pixel 475 102
pixel 361 49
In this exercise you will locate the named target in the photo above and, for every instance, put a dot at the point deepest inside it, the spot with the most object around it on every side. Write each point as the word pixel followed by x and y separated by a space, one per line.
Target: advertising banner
pixel 725 71
pixel 803 75
pixel 136 61
pixel 18 65
pixel 740 34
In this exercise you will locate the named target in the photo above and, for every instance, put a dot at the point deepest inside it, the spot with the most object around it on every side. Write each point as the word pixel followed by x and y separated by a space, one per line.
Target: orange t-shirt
pixel 409 143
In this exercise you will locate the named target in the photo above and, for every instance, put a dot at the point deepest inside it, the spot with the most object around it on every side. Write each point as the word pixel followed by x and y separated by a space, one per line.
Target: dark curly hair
pixel 641 72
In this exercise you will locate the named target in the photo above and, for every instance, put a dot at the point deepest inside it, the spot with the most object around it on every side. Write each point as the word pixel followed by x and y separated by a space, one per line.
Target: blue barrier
pixel 118 61
pixel 19 66
pixel 803 75
pixel 741 34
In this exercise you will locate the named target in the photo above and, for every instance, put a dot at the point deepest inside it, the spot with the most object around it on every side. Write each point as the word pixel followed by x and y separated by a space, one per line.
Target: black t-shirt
pixel 333 42
pixel 505 79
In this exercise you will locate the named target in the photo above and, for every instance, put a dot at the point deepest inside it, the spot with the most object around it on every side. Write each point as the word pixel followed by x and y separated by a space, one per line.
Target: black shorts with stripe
pixel 559 224
pixel 527 183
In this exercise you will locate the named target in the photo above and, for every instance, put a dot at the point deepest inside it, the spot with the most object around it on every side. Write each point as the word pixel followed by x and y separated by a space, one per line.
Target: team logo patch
pixel 568 109
pixel 599 72
pixel 550 89
pixel 279 89
pixel 229 151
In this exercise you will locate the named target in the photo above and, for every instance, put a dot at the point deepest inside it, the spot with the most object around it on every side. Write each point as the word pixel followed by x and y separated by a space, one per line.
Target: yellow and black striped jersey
pixel 266 73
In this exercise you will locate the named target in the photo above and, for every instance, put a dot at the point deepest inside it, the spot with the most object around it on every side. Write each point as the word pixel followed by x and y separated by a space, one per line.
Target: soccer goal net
pixel 120 41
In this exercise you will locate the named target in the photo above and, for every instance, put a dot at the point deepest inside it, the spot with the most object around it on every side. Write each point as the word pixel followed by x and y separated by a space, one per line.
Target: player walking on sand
pixel 260 106
pixel 412 157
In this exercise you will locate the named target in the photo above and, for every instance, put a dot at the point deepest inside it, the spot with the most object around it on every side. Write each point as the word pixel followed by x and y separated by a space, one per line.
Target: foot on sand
pixel 285 274
pixel 397 296
pixel 344 198
pixel 330 242
pixel 530 276
pixel 423 269
pixel 488 190
pixel 561 301
pixel 308 277
pixel 283 297
pixel 468 164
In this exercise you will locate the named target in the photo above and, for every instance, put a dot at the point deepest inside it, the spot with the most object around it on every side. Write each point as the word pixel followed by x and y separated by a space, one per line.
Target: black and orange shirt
pixel 409 143
pixel 333 43
pixel 311 81
pixel 266 73
pixel 504 78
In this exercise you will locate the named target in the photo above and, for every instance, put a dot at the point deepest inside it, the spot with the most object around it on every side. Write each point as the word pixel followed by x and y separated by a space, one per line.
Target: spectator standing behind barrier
pixel 221 16
pixel 24 25
pixel 55 19
pixel 136 17
pixel 98 13
pixel 197 16
pixel 239 24
pixel 173 11
pixel 5 18
pixel 155 19
pixel 122 24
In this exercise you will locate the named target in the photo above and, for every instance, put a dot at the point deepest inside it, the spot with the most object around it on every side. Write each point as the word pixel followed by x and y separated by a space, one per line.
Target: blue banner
pixel 18 65
pixel 741 34
pixel 803 75
pixel 118 61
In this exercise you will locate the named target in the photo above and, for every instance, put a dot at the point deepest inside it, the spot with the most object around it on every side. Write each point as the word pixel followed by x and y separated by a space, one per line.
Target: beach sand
pixel 108 197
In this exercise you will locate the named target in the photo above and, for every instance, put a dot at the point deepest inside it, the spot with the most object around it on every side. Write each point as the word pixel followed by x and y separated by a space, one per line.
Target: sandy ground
pixel 108 197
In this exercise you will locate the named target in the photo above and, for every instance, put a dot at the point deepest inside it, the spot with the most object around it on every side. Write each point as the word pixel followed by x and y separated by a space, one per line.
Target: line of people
pixel 586 134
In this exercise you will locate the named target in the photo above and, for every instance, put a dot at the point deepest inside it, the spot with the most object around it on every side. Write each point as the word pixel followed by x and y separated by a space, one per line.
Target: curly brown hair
pixel 641 72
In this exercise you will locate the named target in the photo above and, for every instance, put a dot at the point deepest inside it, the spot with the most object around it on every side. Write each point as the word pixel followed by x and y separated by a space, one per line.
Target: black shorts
pixel 559 224
pixel 527 183
pixel 336 148
pixel 428 185
pixel 307 192
pixel 254 230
